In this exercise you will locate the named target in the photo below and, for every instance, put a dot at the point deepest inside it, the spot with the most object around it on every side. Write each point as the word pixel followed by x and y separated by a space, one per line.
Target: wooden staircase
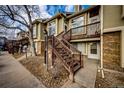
pixel 70 56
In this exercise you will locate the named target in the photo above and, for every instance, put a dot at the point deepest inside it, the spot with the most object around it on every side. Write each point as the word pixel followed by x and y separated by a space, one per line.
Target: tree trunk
pixel 32 46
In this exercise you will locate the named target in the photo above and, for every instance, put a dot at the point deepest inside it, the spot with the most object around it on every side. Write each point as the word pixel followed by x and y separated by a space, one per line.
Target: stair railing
pixel 76 53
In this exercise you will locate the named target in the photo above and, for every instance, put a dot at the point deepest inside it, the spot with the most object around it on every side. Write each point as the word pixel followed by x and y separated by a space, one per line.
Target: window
pixel 80 46
pixel 77 22
pixel 52 28
pixel 75 45
pixel 35 31
pixel 93 48
pixel 94 12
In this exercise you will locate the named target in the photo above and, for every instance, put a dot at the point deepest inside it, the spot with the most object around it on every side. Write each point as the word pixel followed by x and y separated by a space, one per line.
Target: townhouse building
pixel 56 24
pixel 112 17
pixel 95 33
pixel 85 31
pixel 38 36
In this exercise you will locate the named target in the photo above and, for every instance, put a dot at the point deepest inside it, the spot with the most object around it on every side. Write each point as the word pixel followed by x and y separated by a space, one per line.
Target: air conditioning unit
pixel 123 11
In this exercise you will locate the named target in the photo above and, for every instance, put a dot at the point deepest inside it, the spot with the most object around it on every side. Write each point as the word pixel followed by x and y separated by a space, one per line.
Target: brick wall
pixel 111 50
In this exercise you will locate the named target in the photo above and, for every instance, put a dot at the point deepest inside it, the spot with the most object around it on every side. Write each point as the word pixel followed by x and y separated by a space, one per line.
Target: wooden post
pixel 53 50
pixel 12 48
pixel 26 52
pixel 81 61
pixel 71 76
pixel 45 52
pixel 46 49
pixel 70 34
pixel 71 70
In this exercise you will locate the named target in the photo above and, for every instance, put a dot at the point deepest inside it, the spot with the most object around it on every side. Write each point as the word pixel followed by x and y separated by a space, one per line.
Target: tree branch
pixel 10 27
pixel 10 11
pixel 22 18
pixel 12 17
pixel 28 13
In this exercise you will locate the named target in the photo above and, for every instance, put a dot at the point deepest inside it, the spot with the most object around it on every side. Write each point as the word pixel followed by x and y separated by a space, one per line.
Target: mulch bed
pixel 113 66
pixel 111 80
pixel 53 78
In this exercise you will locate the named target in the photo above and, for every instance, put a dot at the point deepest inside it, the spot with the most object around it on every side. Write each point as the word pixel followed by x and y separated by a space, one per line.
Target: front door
pixel 94 50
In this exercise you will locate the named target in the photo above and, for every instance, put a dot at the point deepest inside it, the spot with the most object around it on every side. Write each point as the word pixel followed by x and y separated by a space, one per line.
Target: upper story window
pixel 78 22
pixel 94 12
pixel 35 31
pixel 94 15
pixel 52 28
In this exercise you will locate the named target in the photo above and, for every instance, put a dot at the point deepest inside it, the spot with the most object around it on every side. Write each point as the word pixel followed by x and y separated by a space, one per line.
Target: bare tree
pixel 21 18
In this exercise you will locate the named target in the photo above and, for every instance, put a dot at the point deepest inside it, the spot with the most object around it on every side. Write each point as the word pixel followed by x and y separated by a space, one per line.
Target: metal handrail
pixel 86 25
pixel 63 45
pixel 60 34
pixel 71 46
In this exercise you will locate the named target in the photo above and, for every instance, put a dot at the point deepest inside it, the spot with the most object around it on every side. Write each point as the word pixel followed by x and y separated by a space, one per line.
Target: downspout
pixel 101 36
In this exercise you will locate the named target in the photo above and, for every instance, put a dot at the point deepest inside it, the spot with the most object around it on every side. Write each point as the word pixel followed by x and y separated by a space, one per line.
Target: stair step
pixel 60 49
pixel 66 58
pixel 62 52
pixel 68 62
pixel 57 44
pixel 76 68
pixel 63 55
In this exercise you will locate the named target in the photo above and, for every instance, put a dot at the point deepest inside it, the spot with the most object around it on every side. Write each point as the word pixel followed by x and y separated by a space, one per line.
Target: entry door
pixel 94 50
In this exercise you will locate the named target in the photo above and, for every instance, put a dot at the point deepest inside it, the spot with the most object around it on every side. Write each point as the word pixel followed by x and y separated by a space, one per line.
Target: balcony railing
pixel 87 31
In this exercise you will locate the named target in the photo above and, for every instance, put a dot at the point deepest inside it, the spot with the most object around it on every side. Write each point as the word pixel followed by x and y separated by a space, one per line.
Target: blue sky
pixel 50 10
pixel 53 9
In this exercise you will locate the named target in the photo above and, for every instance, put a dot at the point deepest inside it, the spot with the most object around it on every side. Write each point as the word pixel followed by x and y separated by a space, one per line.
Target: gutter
pixel 54 17
pixel 81 12
pixel 101 43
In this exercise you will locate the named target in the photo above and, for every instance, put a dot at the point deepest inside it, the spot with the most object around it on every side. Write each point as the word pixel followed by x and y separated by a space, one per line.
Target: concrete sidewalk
pixel 13 74
pixel 87 76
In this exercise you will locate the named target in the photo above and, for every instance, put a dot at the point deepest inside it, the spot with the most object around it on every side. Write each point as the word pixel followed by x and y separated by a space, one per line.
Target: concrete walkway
pixel 70 84
pixel 87 75
pixel 13 74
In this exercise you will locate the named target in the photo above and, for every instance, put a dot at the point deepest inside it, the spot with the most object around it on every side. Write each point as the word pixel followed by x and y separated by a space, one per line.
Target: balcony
pixel 87 31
